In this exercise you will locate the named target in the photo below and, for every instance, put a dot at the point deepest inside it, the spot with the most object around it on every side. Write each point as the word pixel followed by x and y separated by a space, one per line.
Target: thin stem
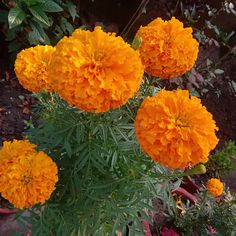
pixel 226 55
pixel 176 7
pixel 134 18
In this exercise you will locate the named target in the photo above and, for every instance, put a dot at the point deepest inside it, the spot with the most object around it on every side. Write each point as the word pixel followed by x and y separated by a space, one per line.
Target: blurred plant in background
pixel 208 216
pixel 220 163
pixel 32 22
pixel 203 18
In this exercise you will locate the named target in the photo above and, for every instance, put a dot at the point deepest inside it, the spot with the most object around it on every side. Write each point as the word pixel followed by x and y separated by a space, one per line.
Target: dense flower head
pixel 31 68
pixel 95 71
pixel 168 49
pixel 27 177
pixel 175 130
pixel 215 187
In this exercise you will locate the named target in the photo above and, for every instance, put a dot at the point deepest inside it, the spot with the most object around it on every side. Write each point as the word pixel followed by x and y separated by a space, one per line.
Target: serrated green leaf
pixel 66 26
pixel 97 165
pixel 114 160
pixel 68 148
pixel 72 9
pixel 105 184
pixel 39 14
pixel 122 134
pixel 15 17
pixel 80 133
pixel 50 6
pixel 103 131
pixel 82 162
pixel 113 136
pixel 58 32
pixel 34 36
pixel 37 35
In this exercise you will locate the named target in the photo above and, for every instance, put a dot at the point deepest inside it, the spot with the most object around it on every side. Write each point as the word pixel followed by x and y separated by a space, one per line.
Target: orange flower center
pixel 98 55
pixel 26 179
pixel 181 121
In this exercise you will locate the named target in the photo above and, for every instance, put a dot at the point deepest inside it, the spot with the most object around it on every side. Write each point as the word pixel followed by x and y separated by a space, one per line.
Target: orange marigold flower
pixel 175 130
pixel 215 187
pixel 96 71
pixel 31 67
pixel 27 177
pixel 168 49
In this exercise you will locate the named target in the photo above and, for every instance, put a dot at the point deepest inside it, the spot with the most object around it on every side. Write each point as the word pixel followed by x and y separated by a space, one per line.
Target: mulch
pixel 220 100
pixel 15 108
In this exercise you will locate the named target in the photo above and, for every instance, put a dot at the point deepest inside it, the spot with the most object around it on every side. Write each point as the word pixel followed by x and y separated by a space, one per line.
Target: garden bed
pixel 218 94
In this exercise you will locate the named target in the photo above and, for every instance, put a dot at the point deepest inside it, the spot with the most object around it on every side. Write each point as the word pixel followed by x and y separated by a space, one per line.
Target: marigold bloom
pixel 215 187
pixel 168 49
pixel 95 71
pixel 31 67
pixel 175 130
pixel 27 177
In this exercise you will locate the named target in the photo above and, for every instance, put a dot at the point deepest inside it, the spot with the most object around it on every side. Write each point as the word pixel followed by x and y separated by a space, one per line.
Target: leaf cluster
pixel 32 22
pixel 208 213
pixel 106 184
pixel 220 163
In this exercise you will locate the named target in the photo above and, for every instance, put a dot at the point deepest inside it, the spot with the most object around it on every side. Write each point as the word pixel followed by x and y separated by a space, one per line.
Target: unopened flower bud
pixel 136 42
pixel 196 170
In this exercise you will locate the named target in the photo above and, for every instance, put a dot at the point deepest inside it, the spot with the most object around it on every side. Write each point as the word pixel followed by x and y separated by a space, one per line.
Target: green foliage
pixel 220 163
pixel 106 184
pixel 207 212
pixel 32 22
pixel 15 17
